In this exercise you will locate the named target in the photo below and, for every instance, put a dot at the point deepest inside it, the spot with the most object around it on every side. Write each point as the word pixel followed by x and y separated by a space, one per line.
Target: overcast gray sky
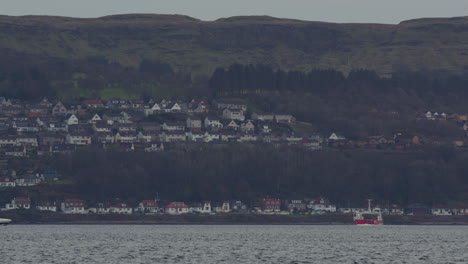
pixel 376 11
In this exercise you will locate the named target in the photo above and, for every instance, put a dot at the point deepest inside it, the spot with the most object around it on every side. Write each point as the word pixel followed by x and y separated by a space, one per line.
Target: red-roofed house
pixel 121 208
pixel 18 203
pixel 271 204
pixel 72 206
pixel 47 206
pixel 148 206
pixel 176 208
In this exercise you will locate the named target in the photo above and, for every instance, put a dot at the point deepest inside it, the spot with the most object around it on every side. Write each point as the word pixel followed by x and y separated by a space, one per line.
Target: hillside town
pixel 31 129
pixel 307 206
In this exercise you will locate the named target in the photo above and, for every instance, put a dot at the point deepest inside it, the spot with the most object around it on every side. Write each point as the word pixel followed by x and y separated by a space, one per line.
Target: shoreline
pixel 34 218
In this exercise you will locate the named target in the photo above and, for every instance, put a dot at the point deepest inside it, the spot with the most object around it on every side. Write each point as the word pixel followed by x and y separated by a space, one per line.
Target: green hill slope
pixel 195 46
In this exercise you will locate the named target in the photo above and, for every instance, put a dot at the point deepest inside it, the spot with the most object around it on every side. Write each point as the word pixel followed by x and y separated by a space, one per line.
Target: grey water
pixel 232 244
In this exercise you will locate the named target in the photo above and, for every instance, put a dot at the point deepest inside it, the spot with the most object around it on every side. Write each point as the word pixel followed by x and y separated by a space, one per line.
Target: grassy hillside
pixel 195 46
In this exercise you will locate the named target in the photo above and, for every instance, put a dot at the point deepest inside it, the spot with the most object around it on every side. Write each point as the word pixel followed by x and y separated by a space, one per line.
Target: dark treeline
pixel 249 172
pixel 33 79
pixel 248 79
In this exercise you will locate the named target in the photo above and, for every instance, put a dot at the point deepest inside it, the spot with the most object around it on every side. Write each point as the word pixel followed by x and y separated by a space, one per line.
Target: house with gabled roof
pixel 172 108
pixel 71 120
pixel 173 136
pixel 321 204
pixel 234 114
pixel 247 138
pixel 271 205
pixel 201 208
pixel 176 208
pixel 78 138
pixel 335 136
pixel 232 103
pixel 122 137
pixel 19 203
pixel 47 206
pixel 148 207
pixel 194 123
pixel 73 206
pixel 210 136
pixel 213 122
pixel 59 109
pixel 285 118
pixel 224 207
pixel 231 124
pixel 120 208
pixel 95 119
pixel 247 126
pixel 99 208
pixel 195 136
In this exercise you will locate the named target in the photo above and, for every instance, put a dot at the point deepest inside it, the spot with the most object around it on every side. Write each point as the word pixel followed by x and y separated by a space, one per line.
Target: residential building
pixel 46 206
pixel 176 208
pixel 78 139
pixel 234 114
pixel 321 204
pixel 148 206
pixel 19 203
pixel 7 181
pixel 271 205
pixel 73 206
pixel 120 208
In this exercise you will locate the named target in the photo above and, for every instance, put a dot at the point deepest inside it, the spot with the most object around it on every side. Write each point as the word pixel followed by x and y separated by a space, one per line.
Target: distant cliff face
pixel 198 47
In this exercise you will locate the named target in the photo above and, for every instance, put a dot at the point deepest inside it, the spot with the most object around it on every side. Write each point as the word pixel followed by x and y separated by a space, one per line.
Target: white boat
pixel 4 221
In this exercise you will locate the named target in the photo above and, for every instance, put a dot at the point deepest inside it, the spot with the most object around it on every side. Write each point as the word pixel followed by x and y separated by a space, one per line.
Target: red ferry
pixel 368 218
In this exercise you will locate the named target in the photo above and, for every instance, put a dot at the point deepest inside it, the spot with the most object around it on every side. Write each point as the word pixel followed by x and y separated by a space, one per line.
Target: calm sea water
pixel 232 244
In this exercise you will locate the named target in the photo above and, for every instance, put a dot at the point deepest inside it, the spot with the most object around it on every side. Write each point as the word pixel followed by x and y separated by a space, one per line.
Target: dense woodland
pixel 251 172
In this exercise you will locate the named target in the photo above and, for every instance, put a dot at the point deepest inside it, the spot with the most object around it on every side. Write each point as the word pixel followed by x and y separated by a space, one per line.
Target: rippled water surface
pixel 232 244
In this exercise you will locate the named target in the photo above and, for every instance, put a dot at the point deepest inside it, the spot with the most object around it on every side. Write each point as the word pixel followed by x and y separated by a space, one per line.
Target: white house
pixel 47 206
pixel 321 204
pixel 72 206
pixel 71 120
pixel 212 122
pixel 225 207
pixel 78 139
pixel 194 123
pixel 100 208
pixel 96 118
pixel 19 203
pixel 120 208
pixel 235 114
pixel 148 206
pixel 247 126
pixel 202 209
pixel 441 210
pixel 209 137
pixel 335 136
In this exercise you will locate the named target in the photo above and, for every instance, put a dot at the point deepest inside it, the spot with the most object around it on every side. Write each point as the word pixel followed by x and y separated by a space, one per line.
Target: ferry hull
pixel 368 222
pixel 4 221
